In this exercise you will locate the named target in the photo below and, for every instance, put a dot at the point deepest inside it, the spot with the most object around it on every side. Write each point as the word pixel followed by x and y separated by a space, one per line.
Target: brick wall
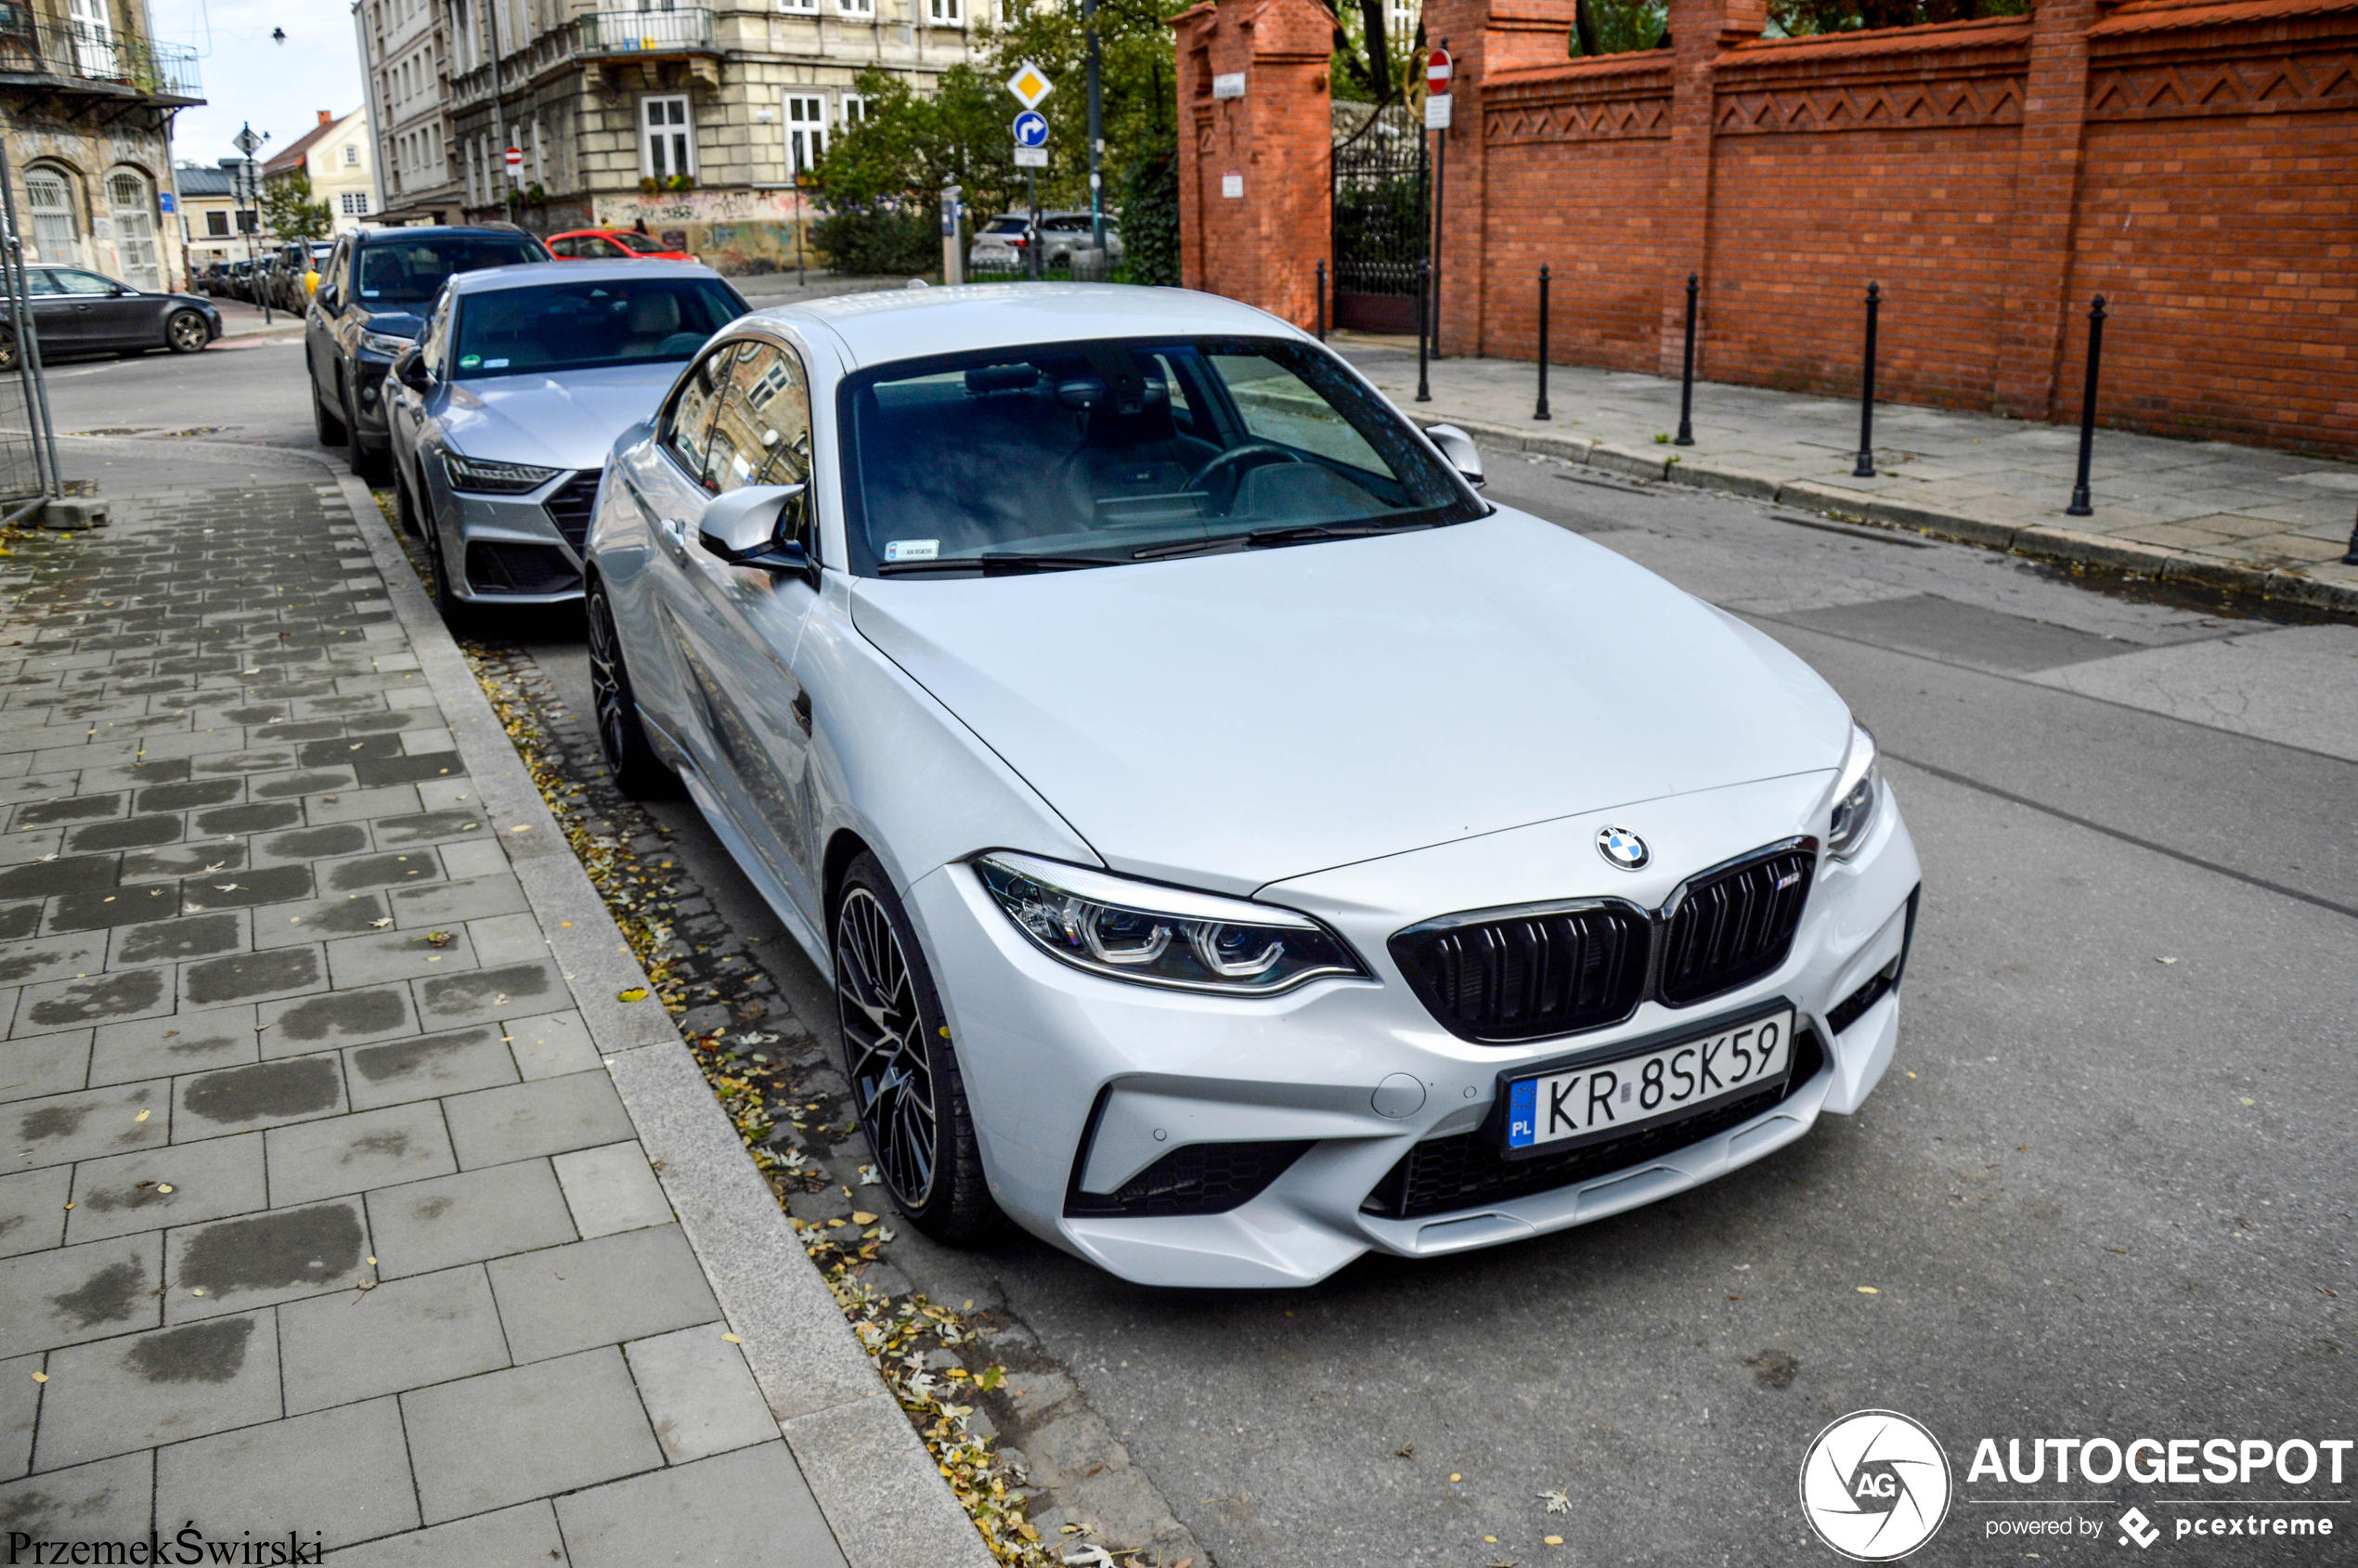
pixel 2194 161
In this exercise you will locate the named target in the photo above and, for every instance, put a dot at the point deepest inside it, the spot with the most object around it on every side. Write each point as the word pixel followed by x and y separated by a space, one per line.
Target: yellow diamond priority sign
pixel 1031 85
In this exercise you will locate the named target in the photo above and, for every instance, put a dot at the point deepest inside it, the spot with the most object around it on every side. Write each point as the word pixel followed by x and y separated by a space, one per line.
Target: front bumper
pixel 1078 1084
pixel 507 550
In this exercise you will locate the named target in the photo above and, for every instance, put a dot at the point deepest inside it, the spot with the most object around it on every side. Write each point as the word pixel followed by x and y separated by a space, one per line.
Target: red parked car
pixel 612 244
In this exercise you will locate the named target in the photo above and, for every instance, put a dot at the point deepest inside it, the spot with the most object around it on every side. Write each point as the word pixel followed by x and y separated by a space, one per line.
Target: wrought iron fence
pixel 1379 220
pixel 33 45
pixel 28 445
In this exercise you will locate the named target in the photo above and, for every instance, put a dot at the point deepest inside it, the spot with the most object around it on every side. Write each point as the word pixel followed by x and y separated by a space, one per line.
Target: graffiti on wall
pixel 736 232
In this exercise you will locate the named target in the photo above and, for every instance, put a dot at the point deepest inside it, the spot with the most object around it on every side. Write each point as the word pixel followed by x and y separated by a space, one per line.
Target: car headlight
pixel 484 477
pixel 1856 791
pixel 1154 934
pixel 385 344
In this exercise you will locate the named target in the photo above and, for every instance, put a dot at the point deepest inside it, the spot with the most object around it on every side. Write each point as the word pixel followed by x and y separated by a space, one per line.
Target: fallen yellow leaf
pixel 862 1217
pixel 41 1377
pixel 635 994
pixel 733 1339
pixel 1455 1476
pixel 164 1187
pixel 142 1115
pixel 1869 1291
pixel 1553 1540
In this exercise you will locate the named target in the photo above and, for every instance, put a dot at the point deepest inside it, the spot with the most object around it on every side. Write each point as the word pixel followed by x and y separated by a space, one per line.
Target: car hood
pixel 567 419
pixel 393 323
pixel 1233 720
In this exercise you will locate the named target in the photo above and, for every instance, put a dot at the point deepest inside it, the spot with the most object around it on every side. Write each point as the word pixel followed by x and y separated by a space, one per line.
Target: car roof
pixel 526 274
pixel 435 231
pixel 570 233
pixel 892 324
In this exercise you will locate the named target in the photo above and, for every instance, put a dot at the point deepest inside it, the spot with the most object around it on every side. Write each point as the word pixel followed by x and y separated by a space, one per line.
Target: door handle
pixel 677 532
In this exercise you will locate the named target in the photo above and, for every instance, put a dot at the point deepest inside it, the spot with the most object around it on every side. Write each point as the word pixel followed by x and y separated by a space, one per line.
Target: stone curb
pixel 2038 539
pixel 880 1490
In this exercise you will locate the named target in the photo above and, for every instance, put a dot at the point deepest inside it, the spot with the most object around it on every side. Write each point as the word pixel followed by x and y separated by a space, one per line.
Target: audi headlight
pixel 385 344
pixel 483 477
pixel 1154 934
pixel 1856 791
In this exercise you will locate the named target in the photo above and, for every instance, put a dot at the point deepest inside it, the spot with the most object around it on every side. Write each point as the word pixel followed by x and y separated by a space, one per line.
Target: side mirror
pixel 409 370
pixel 1458 448
pixel 741 529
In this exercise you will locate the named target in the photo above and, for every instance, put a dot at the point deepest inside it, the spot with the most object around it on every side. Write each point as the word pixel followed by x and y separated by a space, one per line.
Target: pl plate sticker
pixel 912 550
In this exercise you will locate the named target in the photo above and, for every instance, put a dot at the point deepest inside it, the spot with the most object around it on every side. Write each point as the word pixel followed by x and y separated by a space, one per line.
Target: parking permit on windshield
pixel 912 550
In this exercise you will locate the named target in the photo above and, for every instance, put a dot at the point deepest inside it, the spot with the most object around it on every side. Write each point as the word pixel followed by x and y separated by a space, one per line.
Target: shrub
pixel 1150 216
pixel 879 240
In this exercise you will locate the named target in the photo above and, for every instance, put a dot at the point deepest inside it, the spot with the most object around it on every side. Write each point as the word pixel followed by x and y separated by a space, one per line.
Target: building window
pixel 945 13
pixel 666 138
pixel 132 209
pixel 857 8
pixel 350 155
pixel 805 7
pixel 54 235
pixel 355 203
pixel 216 224
pixel 855 111
pixel 806 132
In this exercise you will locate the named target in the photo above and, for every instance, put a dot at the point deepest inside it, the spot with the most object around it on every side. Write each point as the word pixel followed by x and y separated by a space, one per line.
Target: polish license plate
pixel 1554 1110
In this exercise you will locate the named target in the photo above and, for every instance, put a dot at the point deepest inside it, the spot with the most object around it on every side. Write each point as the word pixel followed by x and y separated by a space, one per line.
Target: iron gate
pixel 1379 217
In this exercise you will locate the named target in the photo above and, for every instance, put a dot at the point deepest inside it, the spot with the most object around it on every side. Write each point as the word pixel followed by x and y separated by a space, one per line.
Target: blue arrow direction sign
pixel 1032 129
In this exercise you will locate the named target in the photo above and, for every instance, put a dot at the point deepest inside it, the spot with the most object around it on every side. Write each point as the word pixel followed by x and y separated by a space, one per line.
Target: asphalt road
pixel 2105 1191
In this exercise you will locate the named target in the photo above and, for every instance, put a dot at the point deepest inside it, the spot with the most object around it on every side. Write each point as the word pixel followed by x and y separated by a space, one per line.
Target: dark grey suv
pixel 374 291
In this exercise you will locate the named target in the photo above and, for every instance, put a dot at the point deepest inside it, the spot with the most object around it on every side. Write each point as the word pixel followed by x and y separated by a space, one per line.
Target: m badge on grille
pixel 1622 848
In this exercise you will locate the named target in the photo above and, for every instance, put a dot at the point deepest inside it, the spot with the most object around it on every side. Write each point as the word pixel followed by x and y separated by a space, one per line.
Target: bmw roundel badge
pixel 1622 849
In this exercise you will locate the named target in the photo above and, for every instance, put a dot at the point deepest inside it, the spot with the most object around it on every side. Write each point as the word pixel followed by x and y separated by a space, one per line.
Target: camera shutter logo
pixel 1875 1485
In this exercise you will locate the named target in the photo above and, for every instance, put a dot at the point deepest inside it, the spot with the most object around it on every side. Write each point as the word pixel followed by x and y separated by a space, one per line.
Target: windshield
pixel 645 244
pixel 579 326
pixel 412 271
pixel 1099 453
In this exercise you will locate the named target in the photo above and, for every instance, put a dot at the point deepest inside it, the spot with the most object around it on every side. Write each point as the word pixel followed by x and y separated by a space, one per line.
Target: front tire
pixel 455 613
pixel 329 428
pixel 369 467
pixel 637 772
pixel 405 506
pixel 898 1054
pixel 186 332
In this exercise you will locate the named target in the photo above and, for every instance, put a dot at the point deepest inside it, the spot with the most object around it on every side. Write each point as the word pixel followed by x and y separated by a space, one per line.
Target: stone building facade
pixel 692 121
pixel 405 55
pixel 86 98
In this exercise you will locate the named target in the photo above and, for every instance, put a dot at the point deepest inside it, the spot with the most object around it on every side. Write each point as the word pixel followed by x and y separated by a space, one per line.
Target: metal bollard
pixel 2080 507
pixel 1424 307
pixel 1866 469
pixel 1322 301
pixel 1541 411
pixel 1687 376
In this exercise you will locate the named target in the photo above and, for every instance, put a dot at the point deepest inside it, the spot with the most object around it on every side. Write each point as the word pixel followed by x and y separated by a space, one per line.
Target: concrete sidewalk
pixel 2241 517
pixel 346 1200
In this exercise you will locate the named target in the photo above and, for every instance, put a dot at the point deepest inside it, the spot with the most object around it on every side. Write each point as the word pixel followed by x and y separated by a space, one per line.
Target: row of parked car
pixel 275 277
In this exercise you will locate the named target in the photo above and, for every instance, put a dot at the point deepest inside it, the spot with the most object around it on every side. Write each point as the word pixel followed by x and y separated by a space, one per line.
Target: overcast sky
pixel 279 87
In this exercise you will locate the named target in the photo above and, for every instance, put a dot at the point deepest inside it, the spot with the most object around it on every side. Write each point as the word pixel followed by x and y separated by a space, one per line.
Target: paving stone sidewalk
pixel 319 1213
pixel 2209 512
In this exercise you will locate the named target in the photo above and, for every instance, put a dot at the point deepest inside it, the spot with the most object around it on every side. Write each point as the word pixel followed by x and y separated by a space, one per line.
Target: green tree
pixel 1798 17
pixel 288 210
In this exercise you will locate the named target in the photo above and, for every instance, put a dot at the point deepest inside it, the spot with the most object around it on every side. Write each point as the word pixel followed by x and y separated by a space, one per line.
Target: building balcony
pixel 687 31
pixel 87 60
pixel 600 41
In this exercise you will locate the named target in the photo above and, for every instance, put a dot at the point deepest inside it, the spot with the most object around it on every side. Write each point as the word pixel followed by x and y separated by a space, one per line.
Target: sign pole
pixel 1438 104
pixel 1097 129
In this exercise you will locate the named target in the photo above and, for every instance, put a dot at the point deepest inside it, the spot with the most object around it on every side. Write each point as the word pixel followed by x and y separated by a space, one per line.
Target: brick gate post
pixel 2037 276
pixel 1700 31
pixel 1482 37
pixel 1255 140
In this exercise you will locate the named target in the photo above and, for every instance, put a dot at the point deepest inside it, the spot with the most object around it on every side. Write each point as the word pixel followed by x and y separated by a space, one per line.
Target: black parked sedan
pixel 78 312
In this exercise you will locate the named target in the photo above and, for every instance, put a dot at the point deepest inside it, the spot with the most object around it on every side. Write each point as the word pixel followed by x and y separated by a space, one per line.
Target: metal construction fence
pixel 27 441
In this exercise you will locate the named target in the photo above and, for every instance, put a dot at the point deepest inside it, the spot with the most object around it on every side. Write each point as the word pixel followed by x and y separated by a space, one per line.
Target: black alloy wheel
pixel 637 772
pixel 186 332
pixel 905 1083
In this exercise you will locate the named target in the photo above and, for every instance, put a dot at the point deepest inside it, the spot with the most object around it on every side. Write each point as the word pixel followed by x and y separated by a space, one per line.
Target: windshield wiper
pixel 994 564
pixel 1303 532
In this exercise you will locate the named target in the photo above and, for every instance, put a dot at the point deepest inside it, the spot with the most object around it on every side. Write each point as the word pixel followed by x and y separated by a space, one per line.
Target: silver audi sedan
pixel 1235 845
pixel 504 408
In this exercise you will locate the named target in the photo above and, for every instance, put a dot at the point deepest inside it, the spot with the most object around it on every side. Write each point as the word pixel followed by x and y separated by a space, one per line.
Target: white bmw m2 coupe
pixel 1236 845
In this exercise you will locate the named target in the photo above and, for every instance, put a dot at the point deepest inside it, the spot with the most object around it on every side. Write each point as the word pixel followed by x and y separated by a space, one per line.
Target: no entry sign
pixel 1437 72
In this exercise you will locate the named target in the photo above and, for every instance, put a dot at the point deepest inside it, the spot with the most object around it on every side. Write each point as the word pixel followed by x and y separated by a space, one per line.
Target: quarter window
pixel 668 139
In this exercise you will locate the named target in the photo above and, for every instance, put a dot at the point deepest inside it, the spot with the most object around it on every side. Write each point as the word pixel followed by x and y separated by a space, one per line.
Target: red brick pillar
pixel 1700 31
pixel 2054 112
pixel 1482 36
pixel 1255 202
